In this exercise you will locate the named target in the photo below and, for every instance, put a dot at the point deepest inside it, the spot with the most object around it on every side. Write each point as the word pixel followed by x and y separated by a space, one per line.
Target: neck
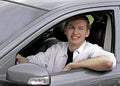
pixel 73 47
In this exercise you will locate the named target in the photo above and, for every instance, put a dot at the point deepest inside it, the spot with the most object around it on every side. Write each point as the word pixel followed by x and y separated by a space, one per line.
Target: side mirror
pixel 29 74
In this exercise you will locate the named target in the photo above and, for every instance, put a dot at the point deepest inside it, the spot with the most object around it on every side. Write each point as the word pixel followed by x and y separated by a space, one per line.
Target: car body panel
pixel 54 4
pixel 86 78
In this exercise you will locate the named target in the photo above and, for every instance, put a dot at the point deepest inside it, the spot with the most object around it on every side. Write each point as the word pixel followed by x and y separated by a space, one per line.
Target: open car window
pixel 101 31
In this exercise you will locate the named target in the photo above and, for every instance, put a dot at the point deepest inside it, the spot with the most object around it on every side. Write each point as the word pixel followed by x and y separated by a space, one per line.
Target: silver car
pixel 31 26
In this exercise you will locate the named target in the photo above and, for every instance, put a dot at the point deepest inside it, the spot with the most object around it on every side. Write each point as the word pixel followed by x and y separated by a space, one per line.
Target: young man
pixel 76 53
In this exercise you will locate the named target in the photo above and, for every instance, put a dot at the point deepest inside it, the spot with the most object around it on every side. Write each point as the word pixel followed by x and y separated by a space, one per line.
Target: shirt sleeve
pixel 47 57
pixel 39 59
pixel 42 58
pixel 99 51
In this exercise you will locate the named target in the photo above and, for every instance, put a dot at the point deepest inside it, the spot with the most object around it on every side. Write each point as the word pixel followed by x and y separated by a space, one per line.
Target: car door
pixel 89 78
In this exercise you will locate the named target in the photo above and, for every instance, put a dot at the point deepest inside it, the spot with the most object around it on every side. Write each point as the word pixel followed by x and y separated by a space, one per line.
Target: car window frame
pixel 76 14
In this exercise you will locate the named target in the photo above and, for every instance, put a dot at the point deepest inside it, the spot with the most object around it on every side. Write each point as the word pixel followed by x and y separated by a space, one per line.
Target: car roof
pixel 53 4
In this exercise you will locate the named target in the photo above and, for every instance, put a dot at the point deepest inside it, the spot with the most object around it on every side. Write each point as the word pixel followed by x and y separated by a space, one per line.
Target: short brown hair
pixel 78 17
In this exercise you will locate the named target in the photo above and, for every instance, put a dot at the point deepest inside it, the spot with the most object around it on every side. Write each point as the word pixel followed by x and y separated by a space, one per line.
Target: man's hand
pixel 68 67
pixel 21 59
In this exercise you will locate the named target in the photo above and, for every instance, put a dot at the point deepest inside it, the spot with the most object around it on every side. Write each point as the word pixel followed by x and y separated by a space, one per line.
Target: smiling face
pixel 76 31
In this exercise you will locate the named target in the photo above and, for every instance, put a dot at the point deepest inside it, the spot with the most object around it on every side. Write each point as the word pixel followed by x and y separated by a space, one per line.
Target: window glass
pixel 13 18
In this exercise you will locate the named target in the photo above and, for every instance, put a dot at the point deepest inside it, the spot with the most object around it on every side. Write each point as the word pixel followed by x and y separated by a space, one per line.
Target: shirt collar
pixel 80 49
pixel 66 47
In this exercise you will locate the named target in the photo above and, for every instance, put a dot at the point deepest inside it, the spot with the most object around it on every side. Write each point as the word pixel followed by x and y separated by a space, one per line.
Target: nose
pixel 75 31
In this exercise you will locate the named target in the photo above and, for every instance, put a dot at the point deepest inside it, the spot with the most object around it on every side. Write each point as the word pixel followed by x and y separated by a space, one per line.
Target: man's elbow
pixel 109 64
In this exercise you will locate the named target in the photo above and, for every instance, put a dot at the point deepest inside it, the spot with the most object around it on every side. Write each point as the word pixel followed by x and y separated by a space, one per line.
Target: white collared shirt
pixel 54 59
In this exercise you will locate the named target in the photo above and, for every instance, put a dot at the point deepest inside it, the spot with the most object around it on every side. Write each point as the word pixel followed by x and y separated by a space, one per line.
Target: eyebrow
pixel 78 25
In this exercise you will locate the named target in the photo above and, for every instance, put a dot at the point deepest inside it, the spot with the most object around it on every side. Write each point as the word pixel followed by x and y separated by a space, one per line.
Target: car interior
pixel 56 34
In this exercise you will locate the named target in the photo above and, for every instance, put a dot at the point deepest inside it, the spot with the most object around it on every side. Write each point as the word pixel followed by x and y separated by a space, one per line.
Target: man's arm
pixel 100 63
pixel 21 59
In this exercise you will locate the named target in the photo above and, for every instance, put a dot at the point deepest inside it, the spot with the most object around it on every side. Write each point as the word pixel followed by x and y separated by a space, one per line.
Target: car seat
pixel 58 32
pixel 97 31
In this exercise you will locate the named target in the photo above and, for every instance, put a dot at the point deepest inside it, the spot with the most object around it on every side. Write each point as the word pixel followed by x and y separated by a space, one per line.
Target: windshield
pixel 14 18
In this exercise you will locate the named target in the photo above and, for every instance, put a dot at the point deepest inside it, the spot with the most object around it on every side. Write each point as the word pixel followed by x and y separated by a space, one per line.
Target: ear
pixel 65 30
pixel 87 33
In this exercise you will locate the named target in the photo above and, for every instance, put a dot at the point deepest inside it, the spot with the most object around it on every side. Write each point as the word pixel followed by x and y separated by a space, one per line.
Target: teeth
pixel 75 37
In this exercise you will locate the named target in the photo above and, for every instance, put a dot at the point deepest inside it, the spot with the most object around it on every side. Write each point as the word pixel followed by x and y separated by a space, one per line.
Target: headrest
pixel 98 29
pixel 58 32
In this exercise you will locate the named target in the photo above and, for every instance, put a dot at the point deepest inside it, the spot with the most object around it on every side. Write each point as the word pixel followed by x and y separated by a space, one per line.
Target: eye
pixel 71 27
pixel 81 28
